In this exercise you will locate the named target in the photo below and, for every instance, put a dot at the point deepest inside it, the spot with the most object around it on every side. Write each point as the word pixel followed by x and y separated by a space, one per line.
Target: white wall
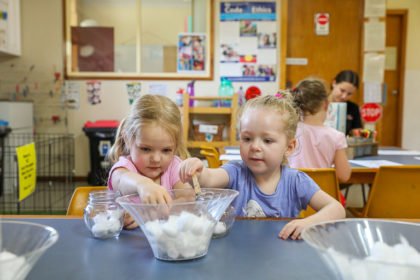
pixel 42 43
pixel 411 115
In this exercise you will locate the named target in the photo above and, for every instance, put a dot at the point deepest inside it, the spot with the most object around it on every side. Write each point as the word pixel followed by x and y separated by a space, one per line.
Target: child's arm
pixel 328 209
pixel 207 177
pixel 128 182
pixel 342 165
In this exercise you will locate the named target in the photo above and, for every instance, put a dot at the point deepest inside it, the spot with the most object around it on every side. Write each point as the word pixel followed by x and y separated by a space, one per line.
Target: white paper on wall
pixel 372 92
pixel 373 67
pixel 374 36
pixel 375 8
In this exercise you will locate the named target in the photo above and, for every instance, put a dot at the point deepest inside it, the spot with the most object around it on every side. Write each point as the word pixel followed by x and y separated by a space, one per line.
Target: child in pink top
pixel 145 149
pixel 318 146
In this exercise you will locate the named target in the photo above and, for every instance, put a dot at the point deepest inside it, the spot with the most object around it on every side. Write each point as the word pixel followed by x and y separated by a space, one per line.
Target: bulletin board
pixel 248 41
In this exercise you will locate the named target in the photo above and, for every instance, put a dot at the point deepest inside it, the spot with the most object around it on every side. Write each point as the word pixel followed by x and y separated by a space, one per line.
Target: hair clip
pixel 278 95
pixel 294 89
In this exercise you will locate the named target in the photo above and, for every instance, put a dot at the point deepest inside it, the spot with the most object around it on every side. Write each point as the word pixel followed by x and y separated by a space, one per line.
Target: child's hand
pixel 129 222
pixel 153 193
pixel 190 167
pixel 293 229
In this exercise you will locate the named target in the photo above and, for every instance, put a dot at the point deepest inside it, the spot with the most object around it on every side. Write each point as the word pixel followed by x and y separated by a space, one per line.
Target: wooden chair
pixel 212 156
pixel 327 180
pixel 395 193
pixel 79 200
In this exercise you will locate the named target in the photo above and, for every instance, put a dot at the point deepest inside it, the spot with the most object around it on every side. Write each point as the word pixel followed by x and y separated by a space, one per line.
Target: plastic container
pixel 190 92
pixel 101 136
pixel 103 216
pixel 241 96
pixel 226 90
pixel 179 98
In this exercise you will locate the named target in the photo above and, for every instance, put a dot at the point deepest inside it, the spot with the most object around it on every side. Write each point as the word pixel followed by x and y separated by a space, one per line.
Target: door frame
pixel 403 14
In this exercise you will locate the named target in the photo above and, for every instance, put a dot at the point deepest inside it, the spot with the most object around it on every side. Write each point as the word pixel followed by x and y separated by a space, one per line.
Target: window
pixel 139 39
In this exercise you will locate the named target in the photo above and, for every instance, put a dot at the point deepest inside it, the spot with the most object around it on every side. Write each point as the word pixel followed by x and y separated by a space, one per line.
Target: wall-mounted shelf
pixel 189 113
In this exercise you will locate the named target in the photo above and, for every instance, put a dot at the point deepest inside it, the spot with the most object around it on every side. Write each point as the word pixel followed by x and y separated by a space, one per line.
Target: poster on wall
pixel 133 91
pixel 93 89
pixel 70 95
pixel 248 41
pixel 3 23
pixel 191 53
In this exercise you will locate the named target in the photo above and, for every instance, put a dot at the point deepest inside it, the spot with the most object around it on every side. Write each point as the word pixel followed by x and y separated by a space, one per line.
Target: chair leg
pixel 347 192
pixel 364 192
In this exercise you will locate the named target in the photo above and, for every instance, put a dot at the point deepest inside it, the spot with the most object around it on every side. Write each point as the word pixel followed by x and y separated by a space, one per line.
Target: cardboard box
pixel 208 132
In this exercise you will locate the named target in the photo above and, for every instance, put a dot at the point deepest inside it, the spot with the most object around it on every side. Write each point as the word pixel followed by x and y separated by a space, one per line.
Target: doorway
pixel 326 55
pixel 389 127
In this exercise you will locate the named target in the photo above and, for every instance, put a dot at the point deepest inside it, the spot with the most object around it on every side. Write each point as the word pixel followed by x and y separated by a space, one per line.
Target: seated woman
pixel 343 86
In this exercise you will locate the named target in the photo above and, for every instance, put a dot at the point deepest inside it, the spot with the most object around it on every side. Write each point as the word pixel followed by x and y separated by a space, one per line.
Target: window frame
pixel 76 75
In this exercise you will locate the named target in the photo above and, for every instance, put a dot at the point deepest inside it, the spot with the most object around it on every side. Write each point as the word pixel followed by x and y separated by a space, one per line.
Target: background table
pixel 359 174
pixel 251 251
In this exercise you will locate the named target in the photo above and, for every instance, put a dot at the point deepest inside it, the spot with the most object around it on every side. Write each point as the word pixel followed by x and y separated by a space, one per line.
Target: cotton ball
pixel 99 229
pixel 101 218
pixel 198 226
pixel 220 228
pixel 154 228
pixel 185 220
pixel 11 265
pixel 170 228
pixel 172 252
pixel 107 224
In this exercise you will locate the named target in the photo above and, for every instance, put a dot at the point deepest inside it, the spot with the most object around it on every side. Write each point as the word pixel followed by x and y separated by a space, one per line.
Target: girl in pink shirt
pixel 145 151
pixel 318 146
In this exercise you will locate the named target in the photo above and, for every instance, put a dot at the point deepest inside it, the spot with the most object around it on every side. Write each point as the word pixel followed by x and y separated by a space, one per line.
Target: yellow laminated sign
pixel 27 170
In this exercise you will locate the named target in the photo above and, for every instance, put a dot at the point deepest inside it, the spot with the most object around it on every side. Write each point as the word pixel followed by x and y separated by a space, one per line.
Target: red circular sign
pixel 371 112
pixel 252 92
pixel 322 19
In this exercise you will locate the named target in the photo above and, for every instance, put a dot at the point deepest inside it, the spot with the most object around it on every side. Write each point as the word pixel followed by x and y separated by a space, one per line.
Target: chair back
pixel 79 200
pixel 395 193
pixel 211 155
pixel 326 179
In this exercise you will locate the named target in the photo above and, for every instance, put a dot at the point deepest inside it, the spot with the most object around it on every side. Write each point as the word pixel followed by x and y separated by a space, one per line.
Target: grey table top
pixel 402 159
pixel 250 251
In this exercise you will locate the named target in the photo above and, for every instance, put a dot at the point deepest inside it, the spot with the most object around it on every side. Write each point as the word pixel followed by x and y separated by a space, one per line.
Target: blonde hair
pixel 283 105
pixel 145 110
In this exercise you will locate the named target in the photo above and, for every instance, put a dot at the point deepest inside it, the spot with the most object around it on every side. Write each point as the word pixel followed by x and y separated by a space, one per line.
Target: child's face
pixel 342 92
pixel 263 141
pixel 152 151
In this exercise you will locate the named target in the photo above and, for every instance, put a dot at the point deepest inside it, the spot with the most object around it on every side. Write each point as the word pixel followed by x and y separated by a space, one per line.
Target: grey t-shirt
pixel 293 192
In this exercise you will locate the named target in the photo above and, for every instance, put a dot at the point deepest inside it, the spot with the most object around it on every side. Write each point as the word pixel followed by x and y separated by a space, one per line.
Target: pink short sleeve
pixel 171 175
pixel 124 162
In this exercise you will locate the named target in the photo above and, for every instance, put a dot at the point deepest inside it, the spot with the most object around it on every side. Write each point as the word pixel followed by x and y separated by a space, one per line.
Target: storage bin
pixel 101 136
pixel 208 132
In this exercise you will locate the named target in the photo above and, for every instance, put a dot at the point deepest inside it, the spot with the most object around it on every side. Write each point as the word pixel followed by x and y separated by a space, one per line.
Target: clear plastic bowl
pixel 181 230
pixel 225 223
pixel 354 248
pixel 22 243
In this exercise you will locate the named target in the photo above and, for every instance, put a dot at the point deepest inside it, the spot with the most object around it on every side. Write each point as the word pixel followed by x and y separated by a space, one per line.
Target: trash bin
pixel 4 130
pixel 101 136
